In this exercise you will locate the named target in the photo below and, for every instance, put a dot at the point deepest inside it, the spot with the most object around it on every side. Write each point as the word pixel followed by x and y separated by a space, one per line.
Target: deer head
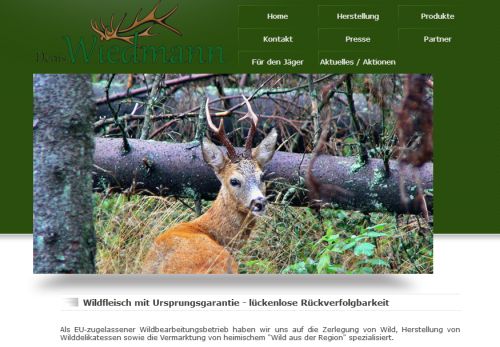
pixel 241 175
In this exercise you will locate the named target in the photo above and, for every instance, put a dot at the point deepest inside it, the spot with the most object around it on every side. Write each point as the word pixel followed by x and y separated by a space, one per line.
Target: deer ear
pixel 264 152
pixel 212 155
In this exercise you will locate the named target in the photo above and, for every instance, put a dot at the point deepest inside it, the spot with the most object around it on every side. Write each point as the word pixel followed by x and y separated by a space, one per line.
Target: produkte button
pixel 417 16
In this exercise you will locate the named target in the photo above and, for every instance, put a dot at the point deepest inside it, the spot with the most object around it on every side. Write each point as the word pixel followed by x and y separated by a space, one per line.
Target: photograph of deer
pixel 233 173
pixel 201 246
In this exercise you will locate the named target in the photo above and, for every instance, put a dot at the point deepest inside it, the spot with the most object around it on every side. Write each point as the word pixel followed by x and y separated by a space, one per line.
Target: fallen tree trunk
pixel 178 169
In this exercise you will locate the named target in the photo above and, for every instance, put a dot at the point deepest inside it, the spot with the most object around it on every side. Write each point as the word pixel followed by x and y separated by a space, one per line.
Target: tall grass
pixel 126 227
pixel 287 240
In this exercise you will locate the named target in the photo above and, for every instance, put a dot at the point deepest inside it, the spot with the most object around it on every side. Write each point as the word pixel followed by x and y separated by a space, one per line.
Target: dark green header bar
pixel 454 40
pixel 217 35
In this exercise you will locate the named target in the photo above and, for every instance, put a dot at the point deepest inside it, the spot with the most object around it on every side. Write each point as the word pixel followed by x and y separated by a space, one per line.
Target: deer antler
pixel 253 128
pixel 114 33
pixel 96 28
pixel 221 135
pixel 111 33
pixel 151 18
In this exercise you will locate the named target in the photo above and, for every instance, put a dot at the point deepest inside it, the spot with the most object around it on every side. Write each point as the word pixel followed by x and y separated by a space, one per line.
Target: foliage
pixel 126 227
pixel 282 100
pixel 287 240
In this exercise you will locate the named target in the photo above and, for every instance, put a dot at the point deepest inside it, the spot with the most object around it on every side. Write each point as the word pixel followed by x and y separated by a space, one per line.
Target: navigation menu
pixel 346 35
pixel 272 35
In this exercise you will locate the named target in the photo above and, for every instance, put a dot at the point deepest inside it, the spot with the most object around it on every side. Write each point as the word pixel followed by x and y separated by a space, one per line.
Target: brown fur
pixel 220 227
pixel 204 245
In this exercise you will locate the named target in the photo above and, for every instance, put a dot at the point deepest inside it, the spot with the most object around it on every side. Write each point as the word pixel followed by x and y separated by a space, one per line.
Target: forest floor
pixel 286 240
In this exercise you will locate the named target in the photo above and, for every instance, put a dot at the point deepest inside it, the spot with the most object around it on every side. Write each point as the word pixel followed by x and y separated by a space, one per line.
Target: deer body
pixel 204 245
pixel 201 246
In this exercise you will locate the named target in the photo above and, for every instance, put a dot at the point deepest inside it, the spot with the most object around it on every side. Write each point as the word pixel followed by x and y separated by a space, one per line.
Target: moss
pixel 102 182
pixel 67 192
pixel 377 205
pixel 356 166
pixel 189 192
pixel 378 177
pixel 39 242
pixel 61 268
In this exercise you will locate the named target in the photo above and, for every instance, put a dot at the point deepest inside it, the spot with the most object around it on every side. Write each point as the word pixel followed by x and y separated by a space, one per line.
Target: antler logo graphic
pixel 119 33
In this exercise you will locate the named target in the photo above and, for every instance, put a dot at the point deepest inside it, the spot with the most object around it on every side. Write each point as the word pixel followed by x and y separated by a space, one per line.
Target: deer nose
pixel 259 204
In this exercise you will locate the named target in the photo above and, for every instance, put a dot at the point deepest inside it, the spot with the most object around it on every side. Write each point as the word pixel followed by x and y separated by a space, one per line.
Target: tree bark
pixel 178 169
pixel 63 231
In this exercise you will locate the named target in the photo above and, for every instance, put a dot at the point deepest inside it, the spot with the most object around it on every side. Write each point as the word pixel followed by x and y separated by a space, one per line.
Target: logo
pixel 122 42
pixel 124 34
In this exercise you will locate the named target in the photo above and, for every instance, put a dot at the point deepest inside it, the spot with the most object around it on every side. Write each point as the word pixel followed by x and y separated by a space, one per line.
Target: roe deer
pixel 204 245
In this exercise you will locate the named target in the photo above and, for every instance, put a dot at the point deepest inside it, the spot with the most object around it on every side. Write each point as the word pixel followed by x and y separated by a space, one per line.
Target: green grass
pixel 287 240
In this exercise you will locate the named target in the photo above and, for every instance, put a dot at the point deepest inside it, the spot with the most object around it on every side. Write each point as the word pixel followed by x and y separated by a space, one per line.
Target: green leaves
pixel 349 245
pixel 335 246
pixel 378 262
pixel 352 244
pixel 364 248
pixel 300 268
pixel 323 263
pixel 378 227
pixel 374 234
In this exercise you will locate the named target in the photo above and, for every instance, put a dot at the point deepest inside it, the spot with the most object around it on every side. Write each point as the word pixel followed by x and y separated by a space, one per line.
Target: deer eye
pixel 234 182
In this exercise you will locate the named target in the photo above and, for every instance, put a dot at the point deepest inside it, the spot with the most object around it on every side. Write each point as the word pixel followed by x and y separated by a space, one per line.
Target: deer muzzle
pixel 258 206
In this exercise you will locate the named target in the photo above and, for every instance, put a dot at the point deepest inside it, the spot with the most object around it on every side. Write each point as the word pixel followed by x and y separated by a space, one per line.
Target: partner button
pixel 437 39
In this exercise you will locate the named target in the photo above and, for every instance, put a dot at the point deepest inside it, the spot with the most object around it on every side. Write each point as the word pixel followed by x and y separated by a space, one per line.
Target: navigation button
pixel 427 37
pixel 354 39
pixel 430 16
pixel 272 39
pixel 355 16
pixel 345 61
pixel 275 60
pixel 269 16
